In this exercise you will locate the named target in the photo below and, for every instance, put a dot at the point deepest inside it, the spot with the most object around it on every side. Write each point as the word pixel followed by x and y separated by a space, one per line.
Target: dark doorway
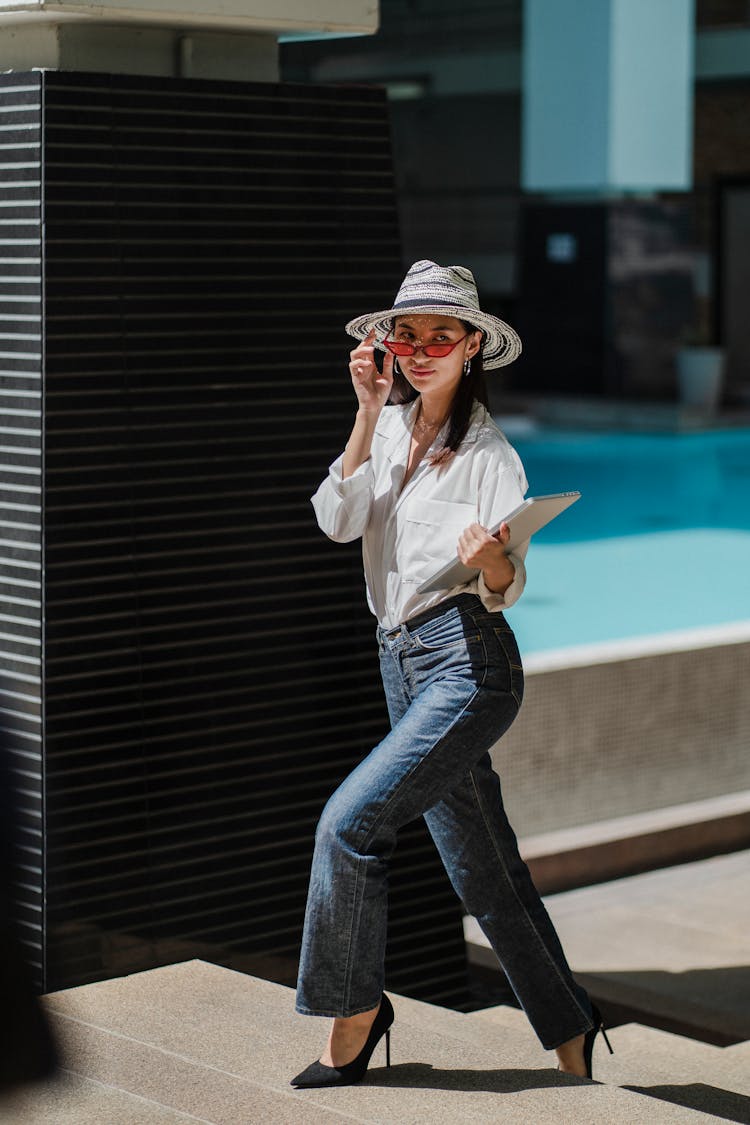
pixel 733 283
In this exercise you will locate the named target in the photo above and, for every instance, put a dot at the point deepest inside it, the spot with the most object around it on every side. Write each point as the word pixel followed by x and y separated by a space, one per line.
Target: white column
pixel 607 95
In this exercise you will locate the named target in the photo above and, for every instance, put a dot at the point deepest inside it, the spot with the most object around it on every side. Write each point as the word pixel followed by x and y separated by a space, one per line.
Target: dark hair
pixel 472 386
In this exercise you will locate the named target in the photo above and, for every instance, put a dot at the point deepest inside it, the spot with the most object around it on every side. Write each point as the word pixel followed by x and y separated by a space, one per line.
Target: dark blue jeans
pixel 454 683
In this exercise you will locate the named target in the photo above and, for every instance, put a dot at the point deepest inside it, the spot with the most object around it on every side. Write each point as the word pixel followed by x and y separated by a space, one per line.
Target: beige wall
pixel 627 736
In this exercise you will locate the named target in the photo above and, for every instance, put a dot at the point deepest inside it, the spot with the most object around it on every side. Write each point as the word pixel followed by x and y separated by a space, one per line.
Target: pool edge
pixel 632 648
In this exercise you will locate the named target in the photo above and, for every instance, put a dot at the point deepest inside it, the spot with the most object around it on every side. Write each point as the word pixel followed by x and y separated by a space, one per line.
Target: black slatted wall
pixel 21 546
pixel 20 482
pixel 209 663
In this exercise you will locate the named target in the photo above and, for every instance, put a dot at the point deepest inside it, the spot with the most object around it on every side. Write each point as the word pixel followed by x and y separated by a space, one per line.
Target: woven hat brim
pixel 501 345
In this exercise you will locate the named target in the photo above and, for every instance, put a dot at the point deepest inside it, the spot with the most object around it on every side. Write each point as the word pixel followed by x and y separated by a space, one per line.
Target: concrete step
pixel 209 1044
pixel 649 1060
pixel 667 1057
pixel 682 1070
pixel 627 845
pixel 502 1015
pixel 667 947
pixel 668 1066
pixel 79 1101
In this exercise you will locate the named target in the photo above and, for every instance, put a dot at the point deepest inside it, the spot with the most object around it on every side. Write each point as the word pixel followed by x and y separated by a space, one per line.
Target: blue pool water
pixel 658 542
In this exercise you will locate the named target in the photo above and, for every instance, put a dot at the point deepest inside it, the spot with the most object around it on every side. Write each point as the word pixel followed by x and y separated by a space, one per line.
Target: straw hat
pixel 432 289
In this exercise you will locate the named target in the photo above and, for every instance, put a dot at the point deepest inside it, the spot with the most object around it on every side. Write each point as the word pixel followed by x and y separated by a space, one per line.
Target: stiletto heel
pixel 588 1042
pixel 318 1074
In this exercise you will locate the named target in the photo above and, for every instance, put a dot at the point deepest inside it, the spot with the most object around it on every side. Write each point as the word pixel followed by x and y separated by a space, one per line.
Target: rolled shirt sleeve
pixel 342 504
pixel 492 600
pixel 501 491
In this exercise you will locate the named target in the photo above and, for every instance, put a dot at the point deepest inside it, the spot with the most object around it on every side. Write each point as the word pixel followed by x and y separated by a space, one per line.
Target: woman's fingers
pixel 363 356
pixel 366 345
pixel 468 542
pixel 372 387
pixel 362 360
pixel 476 547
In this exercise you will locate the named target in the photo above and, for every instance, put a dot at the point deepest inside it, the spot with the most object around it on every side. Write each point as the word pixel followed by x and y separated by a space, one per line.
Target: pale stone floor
pixel 672 944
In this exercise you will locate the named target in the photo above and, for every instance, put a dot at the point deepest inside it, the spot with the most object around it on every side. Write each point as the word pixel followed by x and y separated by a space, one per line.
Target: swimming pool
pixel 659 542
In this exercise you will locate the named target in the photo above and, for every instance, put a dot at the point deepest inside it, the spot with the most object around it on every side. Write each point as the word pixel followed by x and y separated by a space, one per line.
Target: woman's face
pixel 428 373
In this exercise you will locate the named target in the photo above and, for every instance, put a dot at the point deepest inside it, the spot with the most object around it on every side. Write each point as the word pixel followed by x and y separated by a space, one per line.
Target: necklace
pixel 422 427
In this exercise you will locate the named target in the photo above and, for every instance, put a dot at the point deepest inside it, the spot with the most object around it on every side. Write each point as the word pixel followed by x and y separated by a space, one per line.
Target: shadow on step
pixel 711 1004
pixel 512 1081
pixel 697 1095
pixel 721 1103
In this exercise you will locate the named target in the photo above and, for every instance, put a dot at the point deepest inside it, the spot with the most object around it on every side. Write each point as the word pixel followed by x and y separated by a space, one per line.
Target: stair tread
pixel 649 1055
pixel 205 984
pixel 191 1086
pixel 674 1057
pixel 739 1050
pixel 635 1040
pixel 74 1100
pixel 661 943
pixel 222 1046
pixel 504 1015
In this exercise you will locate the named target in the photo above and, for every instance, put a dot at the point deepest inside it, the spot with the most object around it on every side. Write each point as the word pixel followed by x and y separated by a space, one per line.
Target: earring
pixel 467 367
pixel 396 367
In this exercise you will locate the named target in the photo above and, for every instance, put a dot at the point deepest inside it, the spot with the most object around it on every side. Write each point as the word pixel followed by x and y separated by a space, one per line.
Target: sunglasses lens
pixel 401 347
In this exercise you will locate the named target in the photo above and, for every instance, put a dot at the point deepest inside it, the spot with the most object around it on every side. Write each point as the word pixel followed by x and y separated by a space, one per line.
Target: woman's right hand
pixel 371 386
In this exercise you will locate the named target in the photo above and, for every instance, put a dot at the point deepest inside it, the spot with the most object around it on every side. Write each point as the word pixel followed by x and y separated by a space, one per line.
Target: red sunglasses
pixel 435 351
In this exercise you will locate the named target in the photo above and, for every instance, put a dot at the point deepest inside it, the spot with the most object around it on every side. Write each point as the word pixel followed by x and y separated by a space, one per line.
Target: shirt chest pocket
pixel 431 529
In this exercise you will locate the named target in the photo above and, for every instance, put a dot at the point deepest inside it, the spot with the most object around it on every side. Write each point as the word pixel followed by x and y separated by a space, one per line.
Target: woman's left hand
pixel 477 548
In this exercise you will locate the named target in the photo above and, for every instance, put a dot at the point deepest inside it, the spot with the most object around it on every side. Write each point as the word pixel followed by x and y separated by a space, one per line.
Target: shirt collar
pixel 478 419
pixel 398 433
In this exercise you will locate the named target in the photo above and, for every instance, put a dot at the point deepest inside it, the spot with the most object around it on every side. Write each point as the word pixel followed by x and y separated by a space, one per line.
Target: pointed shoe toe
pixel 317 1074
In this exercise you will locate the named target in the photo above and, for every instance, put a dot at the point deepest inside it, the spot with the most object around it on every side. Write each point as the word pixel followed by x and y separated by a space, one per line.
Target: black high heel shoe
pixel 317 1074
pixel 588 1042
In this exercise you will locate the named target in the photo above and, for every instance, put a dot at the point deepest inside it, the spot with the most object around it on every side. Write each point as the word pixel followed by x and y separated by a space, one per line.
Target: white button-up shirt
pixel 407 535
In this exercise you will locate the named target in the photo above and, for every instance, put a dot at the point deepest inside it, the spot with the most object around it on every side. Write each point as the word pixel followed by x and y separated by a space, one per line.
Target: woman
pixel 424 474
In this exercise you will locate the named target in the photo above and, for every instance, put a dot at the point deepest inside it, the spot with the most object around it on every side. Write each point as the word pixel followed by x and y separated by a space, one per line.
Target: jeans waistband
pixel 458 601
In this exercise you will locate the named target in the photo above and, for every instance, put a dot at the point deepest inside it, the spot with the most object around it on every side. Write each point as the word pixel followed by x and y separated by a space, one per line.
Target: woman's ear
pixel 474 345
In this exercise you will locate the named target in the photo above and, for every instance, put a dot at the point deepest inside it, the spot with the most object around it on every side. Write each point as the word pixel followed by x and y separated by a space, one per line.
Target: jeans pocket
pixel 507 643
pixel 445 632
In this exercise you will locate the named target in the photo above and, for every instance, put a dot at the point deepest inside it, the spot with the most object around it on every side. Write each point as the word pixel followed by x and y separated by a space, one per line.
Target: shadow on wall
pixel 27 1050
